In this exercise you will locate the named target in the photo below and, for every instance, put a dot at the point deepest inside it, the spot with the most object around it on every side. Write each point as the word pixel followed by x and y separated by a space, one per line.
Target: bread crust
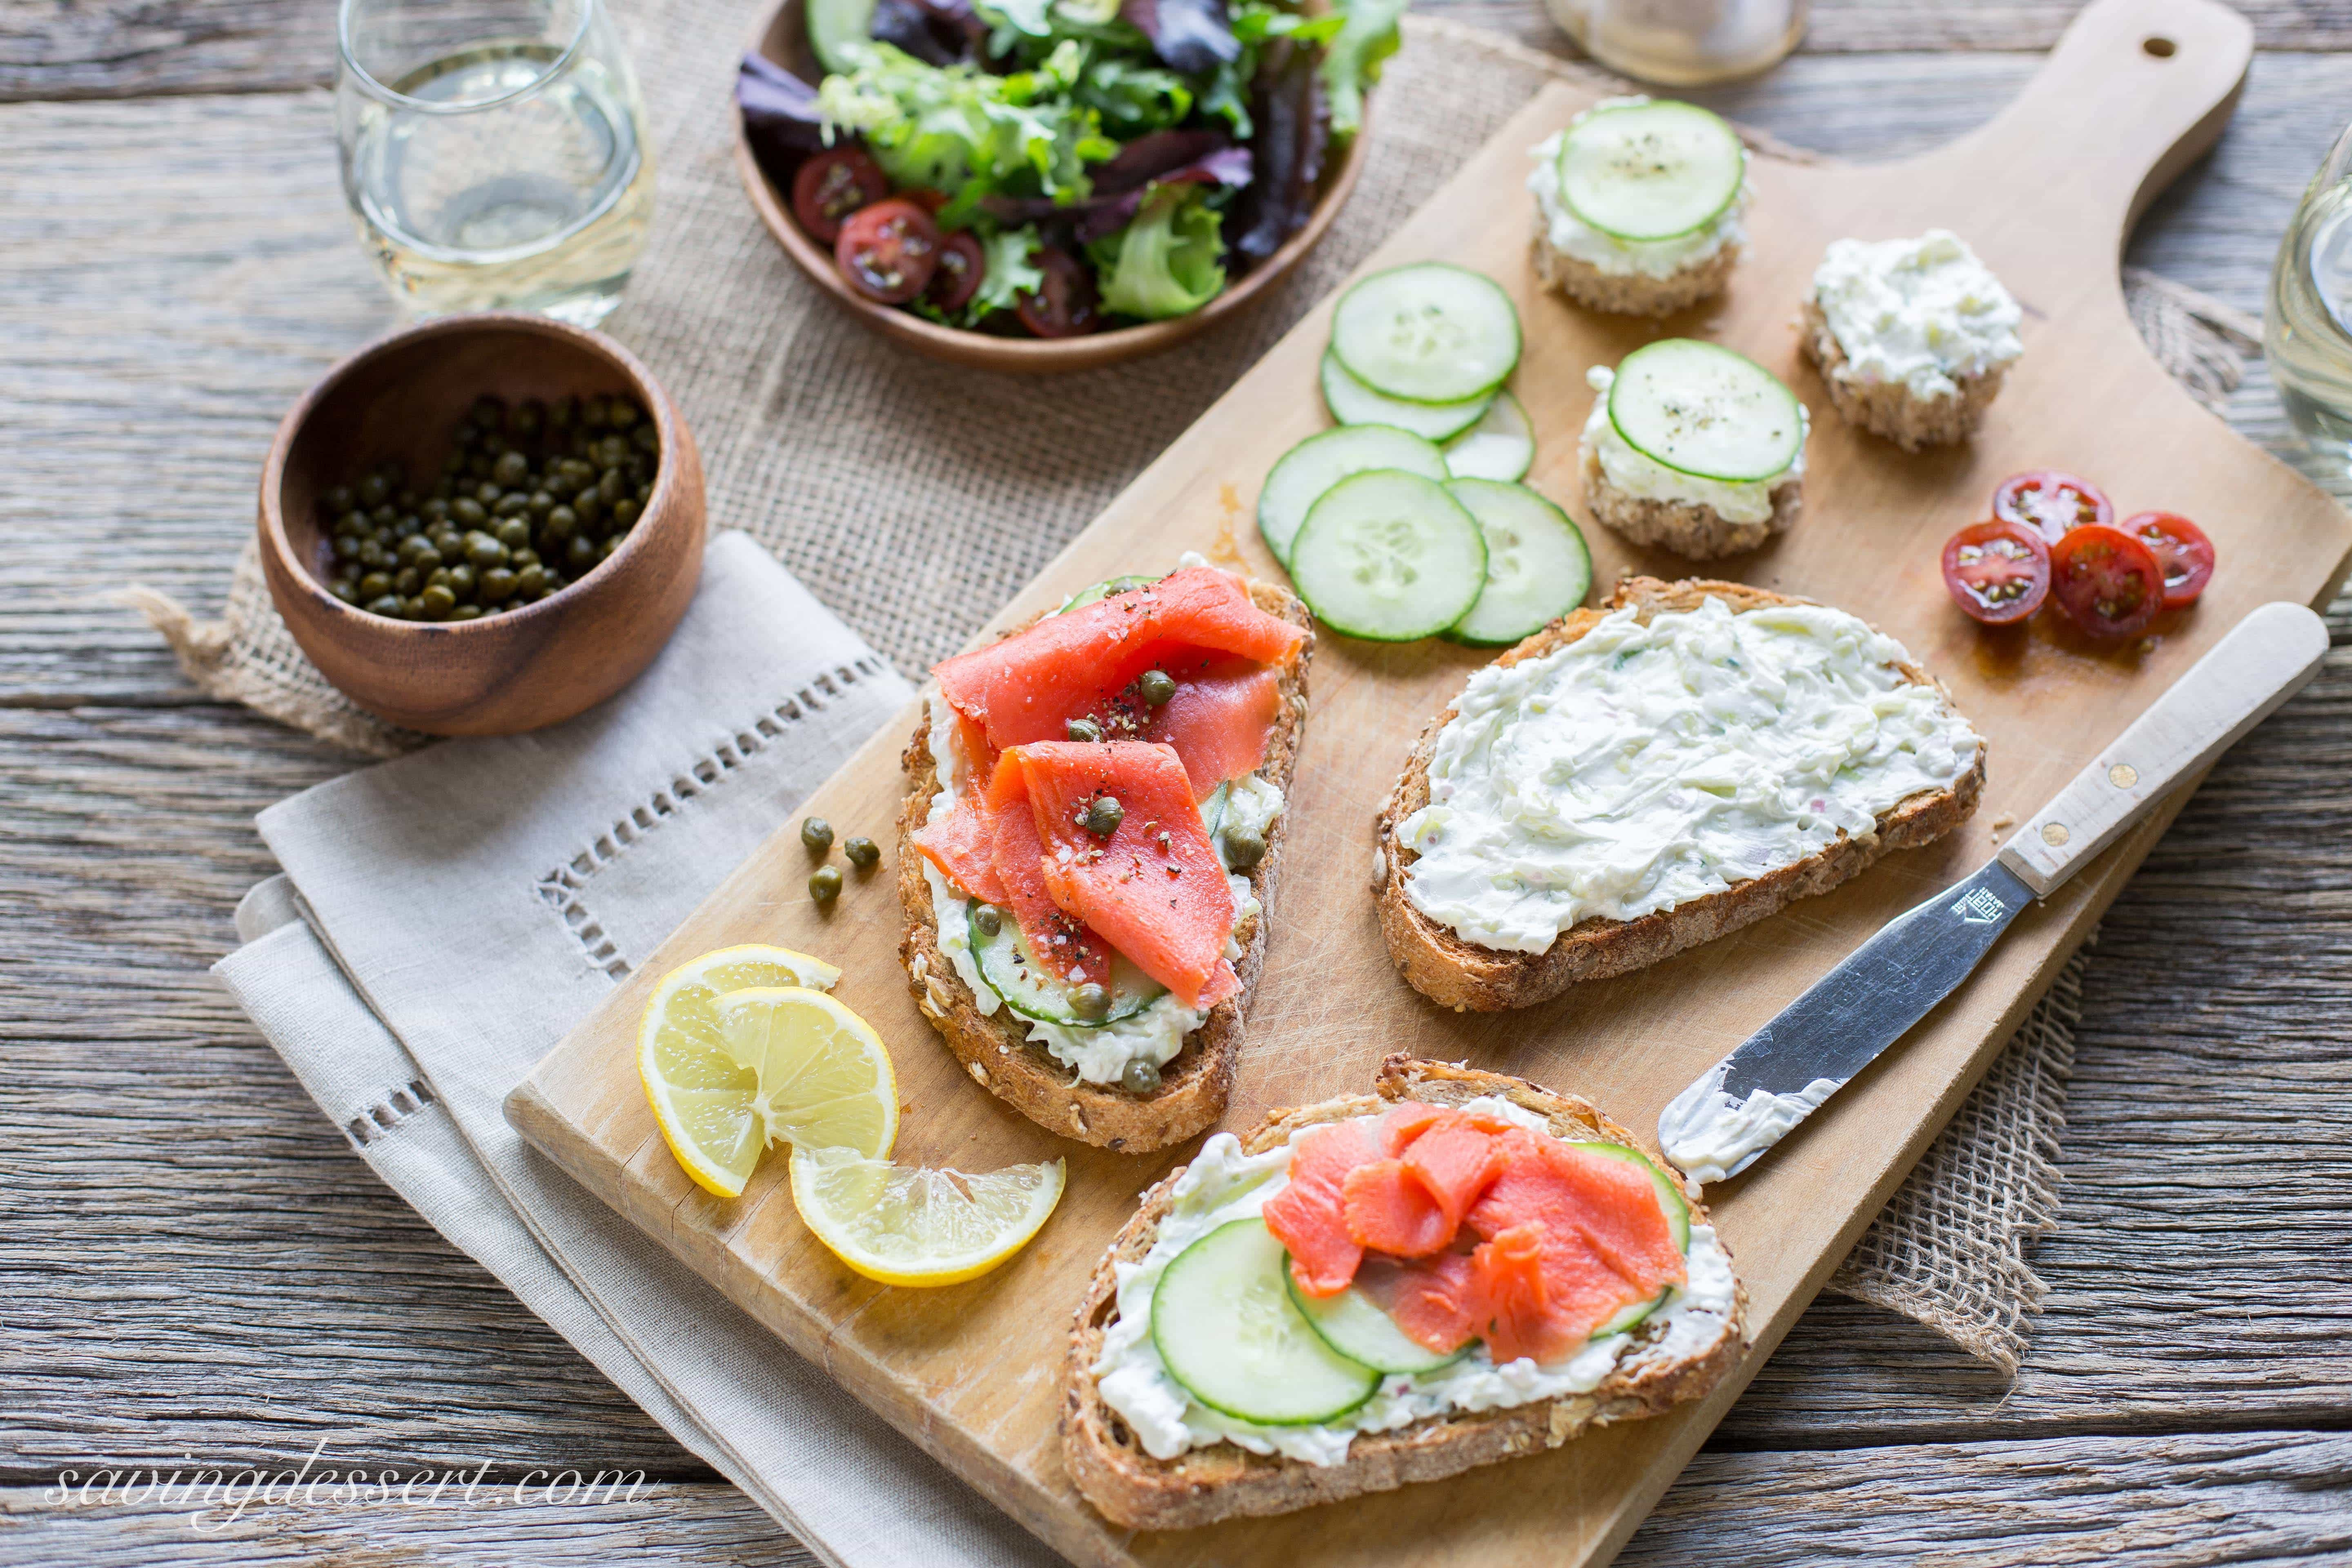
pixel 995 1048
pixel 1691 529
pixel 1887 408
pixel 1630 293
pixel 1469 978
pixel 1136 1492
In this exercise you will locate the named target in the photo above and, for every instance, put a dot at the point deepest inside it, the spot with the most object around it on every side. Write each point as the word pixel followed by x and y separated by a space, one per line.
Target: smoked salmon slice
pixel 1386 1209
pixel 1218 720
pixel 1437 1301
pixel 1308 1215
pixel 1154 889
pixel 1030 686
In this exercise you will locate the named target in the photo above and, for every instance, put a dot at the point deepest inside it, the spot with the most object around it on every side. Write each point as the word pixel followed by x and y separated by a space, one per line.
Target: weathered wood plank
pixel 2259 1498
pixel 130 49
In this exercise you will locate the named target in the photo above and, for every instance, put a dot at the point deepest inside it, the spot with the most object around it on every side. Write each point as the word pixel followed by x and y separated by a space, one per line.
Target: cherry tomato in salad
pixel 2182 553
pixel 2107 581
pixel 1067 306
pixel 2052 501
pixel 833 185
pixel 962 266
pixel 1997 572
pixel 888 251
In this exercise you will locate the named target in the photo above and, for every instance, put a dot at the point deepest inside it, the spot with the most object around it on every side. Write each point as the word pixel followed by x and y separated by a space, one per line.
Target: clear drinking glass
pixel 2307 317
pixel 1683 43
pixel 495 153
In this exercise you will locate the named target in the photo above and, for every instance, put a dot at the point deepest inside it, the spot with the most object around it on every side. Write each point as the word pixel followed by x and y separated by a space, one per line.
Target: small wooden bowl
pixel 400 397
pixel 783 38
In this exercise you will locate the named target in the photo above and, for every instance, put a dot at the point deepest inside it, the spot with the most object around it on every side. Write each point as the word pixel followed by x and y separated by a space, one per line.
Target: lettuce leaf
pixel 1165 263
pixel 1351 60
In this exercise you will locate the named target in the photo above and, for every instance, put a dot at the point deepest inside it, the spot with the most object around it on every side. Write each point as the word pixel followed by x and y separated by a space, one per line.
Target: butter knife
pixel 1751 1100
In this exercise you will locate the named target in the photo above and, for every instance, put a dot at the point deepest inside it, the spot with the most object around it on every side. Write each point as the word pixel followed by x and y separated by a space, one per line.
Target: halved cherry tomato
pixel 962 266
pixel 833 185
pixel 2052 501
pixel 2107 581
pixel 888 251
pixel 1998 571
pixel 2182 552
pixel 1067 306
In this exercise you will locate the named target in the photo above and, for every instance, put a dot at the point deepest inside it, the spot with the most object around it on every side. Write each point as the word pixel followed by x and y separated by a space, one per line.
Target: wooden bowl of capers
pixel 484 523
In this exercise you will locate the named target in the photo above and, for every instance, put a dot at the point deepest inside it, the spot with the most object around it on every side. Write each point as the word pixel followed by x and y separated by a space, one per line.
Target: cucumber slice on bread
pixel 1353 1325
pixel 1026 987
pixel 1649 171
pixel 1670 1191
pixel 1707 411
pixel 1227 1331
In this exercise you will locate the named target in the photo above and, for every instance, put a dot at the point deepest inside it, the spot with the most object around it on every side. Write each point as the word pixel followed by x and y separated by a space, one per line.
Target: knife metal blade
pixel 1748 1101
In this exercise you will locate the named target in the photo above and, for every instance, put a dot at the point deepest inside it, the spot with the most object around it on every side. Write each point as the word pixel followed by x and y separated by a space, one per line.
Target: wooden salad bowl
pixel 783 38
pixel 400 397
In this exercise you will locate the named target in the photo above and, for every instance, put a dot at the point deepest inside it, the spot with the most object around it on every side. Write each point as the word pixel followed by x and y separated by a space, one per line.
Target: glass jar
pixel 2307 317
pixel 1683 43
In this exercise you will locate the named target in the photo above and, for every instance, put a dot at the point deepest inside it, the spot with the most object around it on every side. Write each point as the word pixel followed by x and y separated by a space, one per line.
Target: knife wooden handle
pixel 2265 659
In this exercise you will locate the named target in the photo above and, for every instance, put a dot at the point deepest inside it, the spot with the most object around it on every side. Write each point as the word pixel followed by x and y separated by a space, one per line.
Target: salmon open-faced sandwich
pixel 1457 1268
pixel 1092 827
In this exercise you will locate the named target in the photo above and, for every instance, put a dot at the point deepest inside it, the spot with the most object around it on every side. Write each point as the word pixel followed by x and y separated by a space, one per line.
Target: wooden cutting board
pixel 2045 193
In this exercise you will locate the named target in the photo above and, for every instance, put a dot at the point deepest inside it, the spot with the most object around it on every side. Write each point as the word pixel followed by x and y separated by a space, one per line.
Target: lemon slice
pixel 717 1107
pixel 905 1226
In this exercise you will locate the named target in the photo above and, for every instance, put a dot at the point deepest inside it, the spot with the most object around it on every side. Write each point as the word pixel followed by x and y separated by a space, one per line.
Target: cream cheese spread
pixel 1713 1136
pixel 1640 767
pixel 1224 1184
pixel 1637 473
pixel 1098 1054
pixel 1921 312
pixel 1571 235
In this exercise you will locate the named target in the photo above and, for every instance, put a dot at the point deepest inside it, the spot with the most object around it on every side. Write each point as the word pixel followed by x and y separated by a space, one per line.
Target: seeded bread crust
pixel 995 1048
pixel 1630 293
pixel 1136 1492
pixel 1887 408
pixel 1690 529
pixel 1469 978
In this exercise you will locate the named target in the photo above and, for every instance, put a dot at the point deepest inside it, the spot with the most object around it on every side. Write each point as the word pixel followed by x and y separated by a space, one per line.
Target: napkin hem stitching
pixel 389 1112
pixel 563 890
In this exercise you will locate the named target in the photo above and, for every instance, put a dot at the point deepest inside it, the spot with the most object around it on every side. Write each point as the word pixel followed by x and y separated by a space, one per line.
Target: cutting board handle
pixel 2156 80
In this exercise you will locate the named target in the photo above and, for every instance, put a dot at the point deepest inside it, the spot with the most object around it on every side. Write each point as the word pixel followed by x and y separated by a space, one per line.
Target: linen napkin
pixel 447 917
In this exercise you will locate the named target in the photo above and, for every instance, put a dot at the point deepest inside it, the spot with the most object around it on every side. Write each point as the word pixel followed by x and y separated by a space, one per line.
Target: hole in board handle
pixel 2162 48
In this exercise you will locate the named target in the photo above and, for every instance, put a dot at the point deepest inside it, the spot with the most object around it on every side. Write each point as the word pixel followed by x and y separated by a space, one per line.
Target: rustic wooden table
pixel 195 1266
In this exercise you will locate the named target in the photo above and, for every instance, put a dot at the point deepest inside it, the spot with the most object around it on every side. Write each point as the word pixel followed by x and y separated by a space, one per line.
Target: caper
pixel 1157 686
pixel 449 540
pixel 1140 1077
pixel 1245 846
pixel 514 533
pixel 497 585
pixel 1090 1000
pixel 621 414
pixel 509 469
pixel 437 578
pixel 589 504
pixel 406 581
pixel 522 558
pixel 461 581
pixel 532 581
pixel 436 600
pixel 514 503
pixel 371 491
pixel 344 589
pixel 645 438
pixel 467 613
pixel 1104 813
pixel 824 884
pixel 385 605
pixel 347 547
pixel 609 546
pixel 558 525
pixel 1083 729
pixel 468 512
pixel 613 451
pixel 375 586
pixel 988 920
pixel 625 513
pixel 352 524
pixel 609 487
pixel 539 503
pixel 338 500
pixel 862 852
pixel 579 554
pixel 816 833
pixel 485 551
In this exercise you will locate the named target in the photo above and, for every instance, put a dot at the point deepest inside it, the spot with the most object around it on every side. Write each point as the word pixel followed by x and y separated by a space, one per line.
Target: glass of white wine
pixel 2308 318
pixel 495 153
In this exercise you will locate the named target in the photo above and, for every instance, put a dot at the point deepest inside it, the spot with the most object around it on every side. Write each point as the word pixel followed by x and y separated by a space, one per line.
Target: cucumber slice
pixel 831 24
pixel 1537 566
pixel 1353 1325
pixel 1390 557
pixel 1649 171
pixel 1430 332
pixel 1670 1195
pixel 1012 971
pixel 1096 593
pixel 1212 810
pixel 1629 1317
pixel 1225 1325
pixel 1501 446
pixel 1707 411
pixel 1352 402
pixel 1300 476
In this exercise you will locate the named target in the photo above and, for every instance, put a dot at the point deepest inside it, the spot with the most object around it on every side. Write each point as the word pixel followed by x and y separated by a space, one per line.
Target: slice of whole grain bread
pixel 1691 529
pixel 1133 1489
pixel 995 1048
pixel 1467 977
pixel 1887 408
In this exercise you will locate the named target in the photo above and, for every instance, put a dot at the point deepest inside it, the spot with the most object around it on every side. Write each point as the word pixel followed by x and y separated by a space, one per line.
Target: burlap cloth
pixel 913 499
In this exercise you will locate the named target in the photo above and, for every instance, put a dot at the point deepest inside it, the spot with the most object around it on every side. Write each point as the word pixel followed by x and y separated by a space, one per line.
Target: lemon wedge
pixel 910 1226
pixel 740 1047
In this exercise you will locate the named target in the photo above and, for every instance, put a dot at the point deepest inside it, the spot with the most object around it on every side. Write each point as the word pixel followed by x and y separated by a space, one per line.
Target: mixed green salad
pixel 1057 167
